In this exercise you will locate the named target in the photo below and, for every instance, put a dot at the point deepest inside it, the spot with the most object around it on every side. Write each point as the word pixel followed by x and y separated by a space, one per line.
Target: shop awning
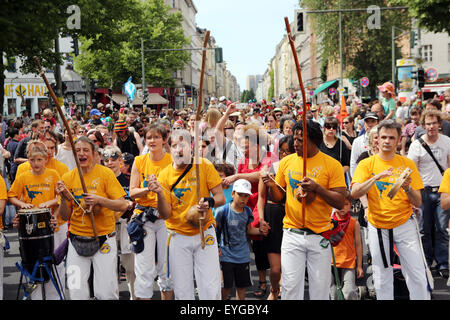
pixel 153 98
pixel 325 86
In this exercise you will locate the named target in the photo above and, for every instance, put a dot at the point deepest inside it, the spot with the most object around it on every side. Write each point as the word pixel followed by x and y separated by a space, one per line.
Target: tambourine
pixel 398 184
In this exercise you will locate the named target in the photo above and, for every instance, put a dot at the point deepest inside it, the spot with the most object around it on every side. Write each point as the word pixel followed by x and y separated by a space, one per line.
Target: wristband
pixel 211 201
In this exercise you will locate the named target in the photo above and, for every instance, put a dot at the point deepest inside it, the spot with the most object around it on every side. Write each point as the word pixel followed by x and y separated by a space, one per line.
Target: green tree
pixel 431 14
pixel 159 29
pixel 31 27
pixel 366 51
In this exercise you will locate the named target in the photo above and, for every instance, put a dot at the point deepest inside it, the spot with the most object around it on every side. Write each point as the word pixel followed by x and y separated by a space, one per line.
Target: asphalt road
pixel 11 279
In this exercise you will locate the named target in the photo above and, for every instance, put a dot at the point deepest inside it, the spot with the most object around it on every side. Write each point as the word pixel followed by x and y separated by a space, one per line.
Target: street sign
pixel 341 90
pixel 311 92
pixel 431 74
pixel 332 91
pixel 364 82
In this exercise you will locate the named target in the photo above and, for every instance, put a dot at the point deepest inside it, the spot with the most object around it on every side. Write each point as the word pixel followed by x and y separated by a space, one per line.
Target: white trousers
pixel 1 272
pixel 78 268
pixel 146 267
pixel 300 251
pixel 126 255
pixel 187 258
pixel 406 240
pixel 50 290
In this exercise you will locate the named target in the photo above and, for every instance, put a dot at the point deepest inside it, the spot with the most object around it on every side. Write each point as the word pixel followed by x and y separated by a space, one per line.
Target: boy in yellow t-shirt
pixel 36 189
pixel 186 256
pixel 390 221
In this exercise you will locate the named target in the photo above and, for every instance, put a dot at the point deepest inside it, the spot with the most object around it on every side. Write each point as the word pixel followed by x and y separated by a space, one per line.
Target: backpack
pixel 222 229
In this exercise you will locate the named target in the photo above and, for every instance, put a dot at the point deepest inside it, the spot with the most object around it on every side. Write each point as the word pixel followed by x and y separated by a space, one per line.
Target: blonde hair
pixel 212 117
pixel 328 111
pixel 36 147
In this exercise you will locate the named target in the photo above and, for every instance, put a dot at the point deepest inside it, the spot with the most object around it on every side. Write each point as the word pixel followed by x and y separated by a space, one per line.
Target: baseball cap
pixel 371 115
pixel 242 186
pixel 235 114
pixel 222 98
pixel 95 112
pixel 213 99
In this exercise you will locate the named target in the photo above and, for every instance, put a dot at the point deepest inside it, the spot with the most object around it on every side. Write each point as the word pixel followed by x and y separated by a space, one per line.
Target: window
pixel 427 53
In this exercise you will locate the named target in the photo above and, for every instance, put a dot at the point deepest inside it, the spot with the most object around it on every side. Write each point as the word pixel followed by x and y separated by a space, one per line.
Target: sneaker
pixel 444 273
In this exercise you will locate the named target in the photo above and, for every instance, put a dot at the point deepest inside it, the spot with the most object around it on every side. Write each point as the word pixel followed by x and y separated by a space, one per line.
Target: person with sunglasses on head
pixel 112 159
pixel 334 146
pixel 145 167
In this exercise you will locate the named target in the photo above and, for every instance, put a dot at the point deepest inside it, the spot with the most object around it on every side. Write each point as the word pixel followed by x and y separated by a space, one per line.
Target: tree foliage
pixel 160 29
pixel 366 50
pixel 431 14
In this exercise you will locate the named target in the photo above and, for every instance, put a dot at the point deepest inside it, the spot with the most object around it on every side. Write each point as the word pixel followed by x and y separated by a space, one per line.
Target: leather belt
pixel 303 232
pixel 431 189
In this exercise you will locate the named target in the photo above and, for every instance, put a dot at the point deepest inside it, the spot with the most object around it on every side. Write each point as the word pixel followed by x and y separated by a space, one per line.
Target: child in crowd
pixel 233 225
pixel 225 170
pixel 36 189
pixel 348 252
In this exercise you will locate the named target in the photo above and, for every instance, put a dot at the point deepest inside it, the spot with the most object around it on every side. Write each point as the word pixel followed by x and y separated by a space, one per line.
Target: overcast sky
pixel 247 30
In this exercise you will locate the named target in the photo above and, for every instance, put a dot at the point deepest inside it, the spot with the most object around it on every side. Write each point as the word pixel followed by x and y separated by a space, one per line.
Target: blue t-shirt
pixel 237 222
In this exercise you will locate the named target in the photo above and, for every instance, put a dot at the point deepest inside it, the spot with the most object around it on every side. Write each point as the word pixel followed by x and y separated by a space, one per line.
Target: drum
pixel 35 239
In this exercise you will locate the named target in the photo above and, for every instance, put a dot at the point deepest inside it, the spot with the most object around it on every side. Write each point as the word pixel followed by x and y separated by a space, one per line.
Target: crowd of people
pixel 133 203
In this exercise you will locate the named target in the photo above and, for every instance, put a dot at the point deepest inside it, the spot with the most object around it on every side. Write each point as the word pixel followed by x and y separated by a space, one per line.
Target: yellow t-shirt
pixel 3 196
pixel 186 190
pixel 102 182
pixel 325 171
pixel 54 164
pixel 445 183
pixel 382 211
pixel 147 167
pixel 35 189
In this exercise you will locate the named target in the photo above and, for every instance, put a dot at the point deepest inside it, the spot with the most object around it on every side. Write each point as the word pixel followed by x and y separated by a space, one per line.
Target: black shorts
pixel 239 273
pixel 273 215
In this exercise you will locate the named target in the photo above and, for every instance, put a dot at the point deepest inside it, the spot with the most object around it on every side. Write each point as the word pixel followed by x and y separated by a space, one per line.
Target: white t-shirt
pixel 66 157
pixel 429 172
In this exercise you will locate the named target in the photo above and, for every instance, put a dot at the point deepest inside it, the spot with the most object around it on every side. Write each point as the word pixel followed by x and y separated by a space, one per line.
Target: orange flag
pixel 343 114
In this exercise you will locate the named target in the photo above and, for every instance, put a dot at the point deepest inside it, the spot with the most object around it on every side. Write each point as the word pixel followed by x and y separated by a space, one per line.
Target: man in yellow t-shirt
pixel 444 190
pixel 303 245
pixel 390 221
pixel 106 196
pixel 186 256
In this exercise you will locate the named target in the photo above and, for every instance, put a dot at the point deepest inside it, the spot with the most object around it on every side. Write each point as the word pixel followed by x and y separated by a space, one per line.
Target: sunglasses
pixel 345 122
pixel 330 126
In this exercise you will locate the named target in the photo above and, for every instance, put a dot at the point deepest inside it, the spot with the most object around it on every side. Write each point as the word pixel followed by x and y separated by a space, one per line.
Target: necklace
pixel 329 144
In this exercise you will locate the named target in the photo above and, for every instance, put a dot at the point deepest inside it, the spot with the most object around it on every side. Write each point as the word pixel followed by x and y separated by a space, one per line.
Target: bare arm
pixel 359 251
pixel 138 142
pixel 445 201
pixel 135 190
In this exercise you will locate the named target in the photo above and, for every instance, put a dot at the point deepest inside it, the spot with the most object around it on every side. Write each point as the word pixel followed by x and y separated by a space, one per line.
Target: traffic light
pixel 299 21
pixel 74 46
pixel 421 78
pixel 219 55
pixel 145 98
pixel 93 86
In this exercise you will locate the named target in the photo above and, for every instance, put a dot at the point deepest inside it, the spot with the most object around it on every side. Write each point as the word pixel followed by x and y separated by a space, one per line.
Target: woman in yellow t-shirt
pixel 105 193
pixel 186 256
pixel 143 168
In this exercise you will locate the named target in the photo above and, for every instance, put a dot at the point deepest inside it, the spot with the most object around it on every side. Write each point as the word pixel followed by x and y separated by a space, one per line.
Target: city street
pixel 12 278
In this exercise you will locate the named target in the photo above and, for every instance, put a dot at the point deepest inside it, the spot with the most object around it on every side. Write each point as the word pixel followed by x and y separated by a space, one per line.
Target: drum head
pixel 34 211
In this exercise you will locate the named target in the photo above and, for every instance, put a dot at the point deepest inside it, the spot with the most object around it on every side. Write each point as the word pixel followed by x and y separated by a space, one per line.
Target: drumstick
pixel 69 133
